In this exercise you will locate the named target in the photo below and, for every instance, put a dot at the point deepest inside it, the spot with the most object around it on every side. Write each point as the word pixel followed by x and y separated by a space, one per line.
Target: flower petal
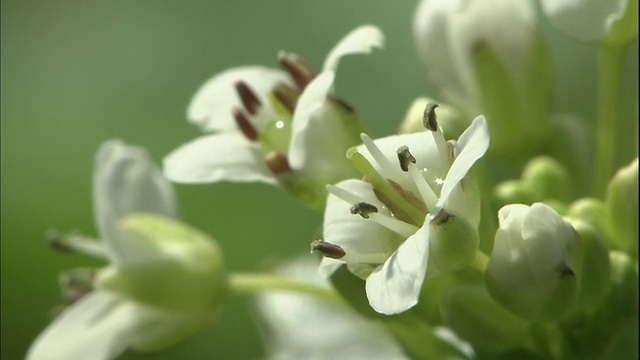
pixel 395 286
pixel 212 106
pixel 126 181
pixel 361 40
pixel 301 327
pixel 311 100
pixel 347 230
pixel 470 147
pixel 584 20
pixel 223 156
pixel 96 327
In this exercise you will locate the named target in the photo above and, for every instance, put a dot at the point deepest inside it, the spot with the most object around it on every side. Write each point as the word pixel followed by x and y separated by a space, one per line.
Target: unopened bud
pixel 621 207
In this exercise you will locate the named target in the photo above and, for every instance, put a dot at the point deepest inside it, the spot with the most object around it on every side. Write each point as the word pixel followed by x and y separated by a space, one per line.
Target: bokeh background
pixel 76 73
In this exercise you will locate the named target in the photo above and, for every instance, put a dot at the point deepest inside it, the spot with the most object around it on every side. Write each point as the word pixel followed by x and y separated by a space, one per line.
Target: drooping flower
pixel 414 216
pixel 164 281
pixel 277 127
pixel 488 57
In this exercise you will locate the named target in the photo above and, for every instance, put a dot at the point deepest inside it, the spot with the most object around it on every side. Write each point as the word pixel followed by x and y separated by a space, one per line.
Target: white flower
pixel 300 327
pixel 407 210
pixel 276 127
pixel 163 282
pixel 530 272
pixel 448 33
pixel 592 20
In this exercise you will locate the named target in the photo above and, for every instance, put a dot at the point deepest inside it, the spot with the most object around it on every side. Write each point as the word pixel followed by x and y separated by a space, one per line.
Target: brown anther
pixel 245 126
pixel 364 209
pixel 286 95
pixel 300 71
pixel 278 163
pixel 405 157
pixel 327 249
pixel 430 121
pixel 441 217
pixel 248 97
pixel 54 240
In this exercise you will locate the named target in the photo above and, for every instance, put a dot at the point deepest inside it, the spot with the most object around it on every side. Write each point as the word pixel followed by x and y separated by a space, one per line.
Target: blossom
pixel 488 57
pixel 417 218
pixel 164 280
pixel 278 127
pixel 298 326
pixel 530 271
pixel 593 20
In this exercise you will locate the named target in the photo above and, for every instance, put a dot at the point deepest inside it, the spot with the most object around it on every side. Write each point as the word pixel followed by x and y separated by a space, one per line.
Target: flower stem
pixel 610 74
pixel 480 262
pixel 251 283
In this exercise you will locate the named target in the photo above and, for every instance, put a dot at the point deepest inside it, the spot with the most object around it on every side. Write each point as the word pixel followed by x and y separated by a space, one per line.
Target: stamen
pixel 76 243
pixel 286 95
pixel 299 70
pixel 378 156
pixel 427 194
pixel 430 120
pixel 441 217
pixel 343 194
pixel 278 163
pixel 248 97
pixel 443 148
pixel 327 249
pixel 364 209
pixel 405 157
pixel 76 283
pixel 245 126
pixel 397 226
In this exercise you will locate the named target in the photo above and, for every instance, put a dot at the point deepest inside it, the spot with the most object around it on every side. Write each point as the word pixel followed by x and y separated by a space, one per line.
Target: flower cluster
pixel 413 263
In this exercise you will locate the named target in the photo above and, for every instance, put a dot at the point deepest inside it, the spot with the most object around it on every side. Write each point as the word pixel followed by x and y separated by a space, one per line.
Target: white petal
pixel 301 327
pixel 223 156
pixel 212 106
pixel 311 100
pixel 126 181
pixel 364 241
pixel 361 40
pixel 471 146
pixel 96 327
pixel 586 20
pixel 328 266
pixel 395 286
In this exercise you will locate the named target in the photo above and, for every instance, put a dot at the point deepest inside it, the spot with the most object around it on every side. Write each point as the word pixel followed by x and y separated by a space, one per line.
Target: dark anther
pixel 364 209
pixel 245 126
pixel 441 217
pixel 248 97
pixel 430 121
pixel 405 157
pixel 327 249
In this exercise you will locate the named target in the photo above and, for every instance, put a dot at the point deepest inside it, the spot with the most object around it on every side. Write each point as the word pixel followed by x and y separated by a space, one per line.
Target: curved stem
pixel 251 283
pixel 610 74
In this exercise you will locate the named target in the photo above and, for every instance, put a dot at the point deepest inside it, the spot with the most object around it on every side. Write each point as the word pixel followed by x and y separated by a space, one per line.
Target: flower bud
pixel 176 270
pixel 591 211
pixel 621 207
pixel 547 178
pixel 513 192
pixel 530 271
pixel 591 266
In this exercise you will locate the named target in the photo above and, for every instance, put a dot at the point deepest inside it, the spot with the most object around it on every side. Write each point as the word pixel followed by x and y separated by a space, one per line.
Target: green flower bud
pixel 529 271
pixel 175 271
pixel 472 314
pixel 547 178
pixel 591 211
pixel 513 192
pixel 591 266
pixel 621 207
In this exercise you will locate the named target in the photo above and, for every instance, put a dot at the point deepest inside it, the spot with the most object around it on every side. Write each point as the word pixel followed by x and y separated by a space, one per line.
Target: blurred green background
pixel 76 73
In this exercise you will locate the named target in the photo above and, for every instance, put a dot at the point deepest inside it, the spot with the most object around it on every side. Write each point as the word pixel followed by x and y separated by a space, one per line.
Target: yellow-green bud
pixel 453 244
pixel 513 192
pixel 547 178
pixel 529 271
pixel 449 118
pixel 621 207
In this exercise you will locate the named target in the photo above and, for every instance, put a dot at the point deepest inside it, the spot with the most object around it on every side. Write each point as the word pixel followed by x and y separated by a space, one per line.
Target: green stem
pixel 610 74
pixel 480 262
pixel 251 283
